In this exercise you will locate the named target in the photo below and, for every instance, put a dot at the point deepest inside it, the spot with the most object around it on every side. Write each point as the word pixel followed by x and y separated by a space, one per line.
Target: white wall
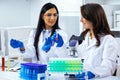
pixel 95 1
pixel 35 8
pixel 112 2
pixel 14 13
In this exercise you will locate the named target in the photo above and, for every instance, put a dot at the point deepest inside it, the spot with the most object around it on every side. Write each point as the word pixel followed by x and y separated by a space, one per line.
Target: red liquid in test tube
pixel 3 63
pixel 57 36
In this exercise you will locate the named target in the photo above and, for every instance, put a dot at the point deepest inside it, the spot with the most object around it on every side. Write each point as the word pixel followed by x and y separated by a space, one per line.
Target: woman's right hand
pixel 16 43
pixel 47 45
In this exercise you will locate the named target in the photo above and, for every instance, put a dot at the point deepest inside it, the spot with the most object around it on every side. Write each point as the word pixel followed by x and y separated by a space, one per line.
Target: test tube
pixel 8 64
pixel 57 36
pixel 3 63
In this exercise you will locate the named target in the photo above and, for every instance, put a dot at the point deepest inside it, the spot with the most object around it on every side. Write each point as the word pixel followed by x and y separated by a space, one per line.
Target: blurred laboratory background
pixel 19 17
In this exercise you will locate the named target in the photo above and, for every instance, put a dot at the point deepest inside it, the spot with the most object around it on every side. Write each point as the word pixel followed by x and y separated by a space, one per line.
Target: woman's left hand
pixel 58 39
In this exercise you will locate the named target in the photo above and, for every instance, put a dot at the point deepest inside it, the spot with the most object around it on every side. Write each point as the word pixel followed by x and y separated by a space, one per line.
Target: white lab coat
pixel 43 56
pixel 99 60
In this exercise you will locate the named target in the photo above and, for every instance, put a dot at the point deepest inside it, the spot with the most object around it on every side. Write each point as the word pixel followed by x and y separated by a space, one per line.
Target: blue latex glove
pixel 82 75
pixel 47 45
pixel 16 43
pixel 58 39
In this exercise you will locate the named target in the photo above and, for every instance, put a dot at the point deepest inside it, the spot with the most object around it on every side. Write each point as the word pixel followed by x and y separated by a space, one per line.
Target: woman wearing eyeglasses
pixel 47 40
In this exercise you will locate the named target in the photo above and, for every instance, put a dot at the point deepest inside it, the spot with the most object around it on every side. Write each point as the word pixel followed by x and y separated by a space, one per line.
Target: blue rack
pixel 29 71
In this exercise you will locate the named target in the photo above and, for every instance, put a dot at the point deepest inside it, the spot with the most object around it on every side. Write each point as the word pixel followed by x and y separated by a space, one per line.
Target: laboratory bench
pixel 7 75
pixel 14 74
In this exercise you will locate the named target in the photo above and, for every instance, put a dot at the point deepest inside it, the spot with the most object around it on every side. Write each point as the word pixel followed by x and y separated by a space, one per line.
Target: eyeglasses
pixel 49 15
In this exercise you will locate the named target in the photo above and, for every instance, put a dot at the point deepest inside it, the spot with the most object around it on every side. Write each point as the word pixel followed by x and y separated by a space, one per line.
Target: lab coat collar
pixel 45 30
pixel 90 42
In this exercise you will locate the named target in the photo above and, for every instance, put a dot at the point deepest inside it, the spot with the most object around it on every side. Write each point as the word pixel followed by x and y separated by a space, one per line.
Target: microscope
pixel 73 43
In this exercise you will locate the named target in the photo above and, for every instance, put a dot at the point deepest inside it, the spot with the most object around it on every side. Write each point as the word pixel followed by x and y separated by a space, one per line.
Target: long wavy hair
pixel 41 25
pixel 94 13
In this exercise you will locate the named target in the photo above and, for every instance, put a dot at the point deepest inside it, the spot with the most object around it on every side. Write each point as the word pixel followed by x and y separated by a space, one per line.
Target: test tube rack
pixel 65 65
pixel 30 71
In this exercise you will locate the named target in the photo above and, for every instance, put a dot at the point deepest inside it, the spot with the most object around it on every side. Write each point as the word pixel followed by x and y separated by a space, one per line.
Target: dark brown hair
pixel 94 13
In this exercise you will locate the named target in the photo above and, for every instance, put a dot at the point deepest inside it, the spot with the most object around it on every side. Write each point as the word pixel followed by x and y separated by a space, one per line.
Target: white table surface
pixel 9 75
pixel 6 75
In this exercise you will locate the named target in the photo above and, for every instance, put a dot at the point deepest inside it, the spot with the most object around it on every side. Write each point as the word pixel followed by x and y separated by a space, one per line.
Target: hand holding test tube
pixel 47 45
pixel 57 38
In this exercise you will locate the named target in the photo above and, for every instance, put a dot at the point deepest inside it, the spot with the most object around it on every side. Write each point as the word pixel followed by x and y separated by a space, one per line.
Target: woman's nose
pixel 52 17
pixel 81 20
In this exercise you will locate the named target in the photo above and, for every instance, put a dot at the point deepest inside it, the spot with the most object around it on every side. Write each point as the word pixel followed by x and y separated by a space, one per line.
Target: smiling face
pixel 86 24
pixel 50 18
